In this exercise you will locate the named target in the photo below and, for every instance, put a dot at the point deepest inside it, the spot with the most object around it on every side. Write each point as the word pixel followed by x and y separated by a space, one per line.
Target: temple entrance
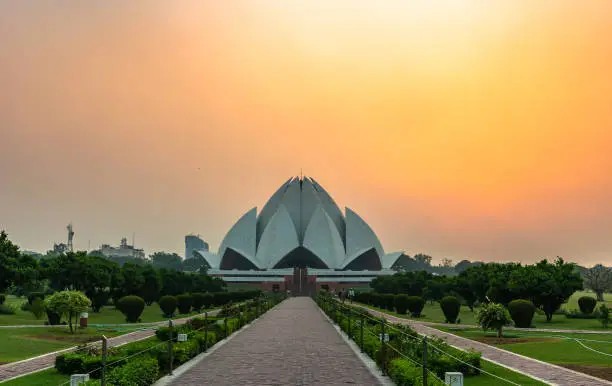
pixel 302 284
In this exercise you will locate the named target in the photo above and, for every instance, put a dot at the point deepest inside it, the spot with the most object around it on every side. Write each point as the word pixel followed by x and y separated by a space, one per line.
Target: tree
pixel 167 260
pixel 151 286
pixel 65 271
pixel 68 303
pixel 464 288
pixel 546 285
pixel 493 316
pixel 15 268
pixel 194 264
pixel 423 261
pixel 98 274
pixel 598 279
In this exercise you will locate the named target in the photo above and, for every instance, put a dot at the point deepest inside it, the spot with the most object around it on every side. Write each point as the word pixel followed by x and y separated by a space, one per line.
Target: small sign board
pixel 182 338
pixel 386 337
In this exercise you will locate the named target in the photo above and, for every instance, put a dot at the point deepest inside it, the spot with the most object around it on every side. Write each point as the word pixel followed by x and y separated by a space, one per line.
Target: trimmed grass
pixel 48 377
pixel 487 380
pixel 552 348
pixel 107 315
pixel 23 343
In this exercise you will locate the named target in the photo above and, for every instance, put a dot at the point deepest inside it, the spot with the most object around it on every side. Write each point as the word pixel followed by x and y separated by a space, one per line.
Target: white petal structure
pixel 390 258
pixel 241 239
pixel 323 240
pixel 214 261
pixel 279 238
pixel 301 225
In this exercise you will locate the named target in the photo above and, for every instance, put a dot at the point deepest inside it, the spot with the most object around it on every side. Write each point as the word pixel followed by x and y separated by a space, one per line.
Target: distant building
pixel 124 250
pixel 194 243
pixel 60 248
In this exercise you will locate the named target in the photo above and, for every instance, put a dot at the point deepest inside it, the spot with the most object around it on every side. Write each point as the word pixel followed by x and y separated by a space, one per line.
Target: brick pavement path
pixel 27 366
pixel 293 344
pixel 552 374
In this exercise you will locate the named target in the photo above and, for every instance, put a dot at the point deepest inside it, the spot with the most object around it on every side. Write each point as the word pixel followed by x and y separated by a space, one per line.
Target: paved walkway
pixel 293 344
pixel 546 372
pixel 45 361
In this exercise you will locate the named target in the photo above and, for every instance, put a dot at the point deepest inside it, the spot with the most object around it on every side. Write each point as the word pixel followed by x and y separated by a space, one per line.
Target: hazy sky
pixel 462 129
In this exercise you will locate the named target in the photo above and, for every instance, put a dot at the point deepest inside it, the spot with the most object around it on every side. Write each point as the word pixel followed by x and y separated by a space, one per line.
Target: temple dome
pixel 300 226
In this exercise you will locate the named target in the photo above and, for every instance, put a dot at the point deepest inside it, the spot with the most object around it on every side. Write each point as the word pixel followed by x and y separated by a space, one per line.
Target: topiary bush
pixel 389 302
pixel 2 299
pixel 198 301
pixel 168 305
pixel 450 307
pixel 375 299
pixel 136 372
pixel 208 300
pixel 53 318
pixel 522 312
pixel 221 298
pixel 493 316
pixel 185 301
pixel 131 307
pixel 37 308
pixel 416 305
pixel 401 304
pixel 587 304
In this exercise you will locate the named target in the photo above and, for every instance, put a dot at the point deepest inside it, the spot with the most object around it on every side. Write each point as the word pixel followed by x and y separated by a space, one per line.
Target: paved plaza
pixel 293 344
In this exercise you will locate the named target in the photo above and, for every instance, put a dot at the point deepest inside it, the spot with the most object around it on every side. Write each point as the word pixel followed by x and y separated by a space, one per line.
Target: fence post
pixel 361 332
pixel 205 330
pixel 225 333
pixel 350 312
pixel 425 360
pixel 170 351
pixel 384 347
pixel 104 354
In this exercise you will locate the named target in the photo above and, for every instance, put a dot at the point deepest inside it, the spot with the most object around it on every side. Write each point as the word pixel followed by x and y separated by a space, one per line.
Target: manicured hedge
pixel 587 304
pixel 198 301
pixel 450 307
pixel 131 307
pixel 389 301
pixel 168 305
pixel 137 372
pixel 185 302
pixel 416 305
pixel 521 312
pixel 401 304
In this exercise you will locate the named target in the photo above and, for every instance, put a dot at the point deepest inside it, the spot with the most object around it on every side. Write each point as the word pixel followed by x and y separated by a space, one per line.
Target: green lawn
pixel 23 343
pixel 433 313
pixel 487 380
pixel 572 303
pixel 48 377
pixel 552 348
pixel 107 315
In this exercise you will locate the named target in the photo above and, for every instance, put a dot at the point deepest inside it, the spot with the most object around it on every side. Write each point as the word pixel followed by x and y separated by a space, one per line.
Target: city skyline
pixel 467 130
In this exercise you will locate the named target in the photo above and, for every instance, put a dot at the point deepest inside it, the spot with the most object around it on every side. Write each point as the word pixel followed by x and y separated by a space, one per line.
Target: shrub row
pixel 400 303
pixel 405 340
pixel 148 358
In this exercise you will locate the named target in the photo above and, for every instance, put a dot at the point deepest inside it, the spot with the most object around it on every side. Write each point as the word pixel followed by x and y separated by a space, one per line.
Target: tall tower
pixel 70 237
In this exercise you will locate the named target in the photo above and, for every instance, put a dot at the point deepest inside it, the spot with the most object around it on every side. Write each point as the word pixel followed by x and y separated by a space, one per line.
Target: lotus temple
pixel 300 241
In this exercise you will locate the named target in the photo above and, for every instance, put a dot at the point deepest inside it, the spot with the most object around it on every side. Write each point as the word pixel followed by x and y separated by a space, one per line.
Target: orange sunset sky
pixel 462 129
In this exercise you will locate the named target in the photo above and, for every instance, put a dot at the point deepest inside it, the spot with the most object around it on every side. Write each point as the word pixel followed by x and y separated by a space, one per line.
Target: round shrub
pixel 587 304
pixel 375 299
pixel 208 300
pixel 35 295
pixel 2 299
pixel 221 298
pixel 416 305
pixel 198 300
pixel 185 301
pixel 401 304
pixel 521 312
pixel 389 301
pixel 450 307
pixel 168 305
pixel 131 307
